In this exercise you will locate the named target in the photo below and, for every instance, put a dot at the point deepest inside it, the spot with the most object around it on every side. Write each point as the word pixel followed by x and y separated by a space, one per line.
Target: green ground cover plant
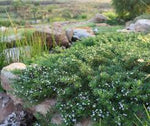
pixel 104 78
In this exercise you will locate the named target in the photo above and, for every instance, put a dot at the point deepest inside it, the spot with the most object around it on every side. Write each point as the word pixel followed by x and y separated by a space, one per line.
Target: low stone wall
pixel 14 54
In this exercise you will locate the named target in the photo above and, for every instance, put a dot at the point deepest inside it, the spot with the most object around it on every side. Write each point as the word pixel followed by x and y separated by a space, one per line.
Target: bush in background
pixel 128 9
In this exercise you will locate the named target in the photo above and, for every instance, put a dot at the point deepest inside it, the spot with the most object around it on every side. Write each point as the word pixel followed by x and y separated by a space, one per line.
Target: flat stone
pixel 14 54
pixel 82 32
pixel 56 119
pixel 44 106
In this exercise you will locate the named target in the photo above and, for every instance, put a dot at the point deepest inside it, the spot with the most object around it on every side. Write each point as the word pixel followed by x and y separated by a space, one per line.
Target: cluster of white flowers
pixel 124 91
pixel 97 113
pixel 71 110
pixel 37 124
pixel 68 117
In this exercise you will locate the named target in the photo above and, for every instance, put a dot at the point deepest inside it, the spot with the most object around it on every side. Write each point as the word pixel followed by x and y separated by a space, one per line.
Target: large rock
pixel 7 76
pixel 141 25
pixel 98 18
pixel 69 34
pixel 6 106
pixel 51 36
pixel 82 32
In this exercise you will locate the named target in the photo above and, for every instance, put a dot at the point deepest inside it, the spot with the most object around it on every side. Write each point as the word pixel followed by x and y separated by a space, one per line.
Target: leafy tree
pixel 128 9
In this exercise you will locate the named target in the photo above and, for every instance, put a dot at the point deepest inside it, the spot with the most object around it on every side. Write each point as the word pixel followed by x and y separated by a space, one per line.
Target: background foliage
pixel 131 8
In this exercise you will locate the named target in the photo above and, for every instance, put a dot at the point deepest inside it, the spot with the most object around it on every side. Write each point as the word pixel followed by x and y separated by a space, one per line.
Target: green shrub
pixel 113 18
pixel 82 16
pixel 130 8
pixel 3 9
pixel 66 14
pixel 104 78
pixel 7 23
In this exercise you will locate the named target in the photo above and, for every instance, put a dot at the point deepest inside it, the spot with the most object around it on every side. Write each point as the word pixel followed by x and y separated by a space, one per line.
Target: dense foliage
pixel 131 8
pixel 106 78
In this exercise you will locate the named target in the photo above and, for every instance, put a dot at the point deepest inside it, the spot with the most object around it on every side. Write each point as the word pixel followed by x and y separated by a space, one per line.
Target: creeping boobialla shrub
pixel 106 78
